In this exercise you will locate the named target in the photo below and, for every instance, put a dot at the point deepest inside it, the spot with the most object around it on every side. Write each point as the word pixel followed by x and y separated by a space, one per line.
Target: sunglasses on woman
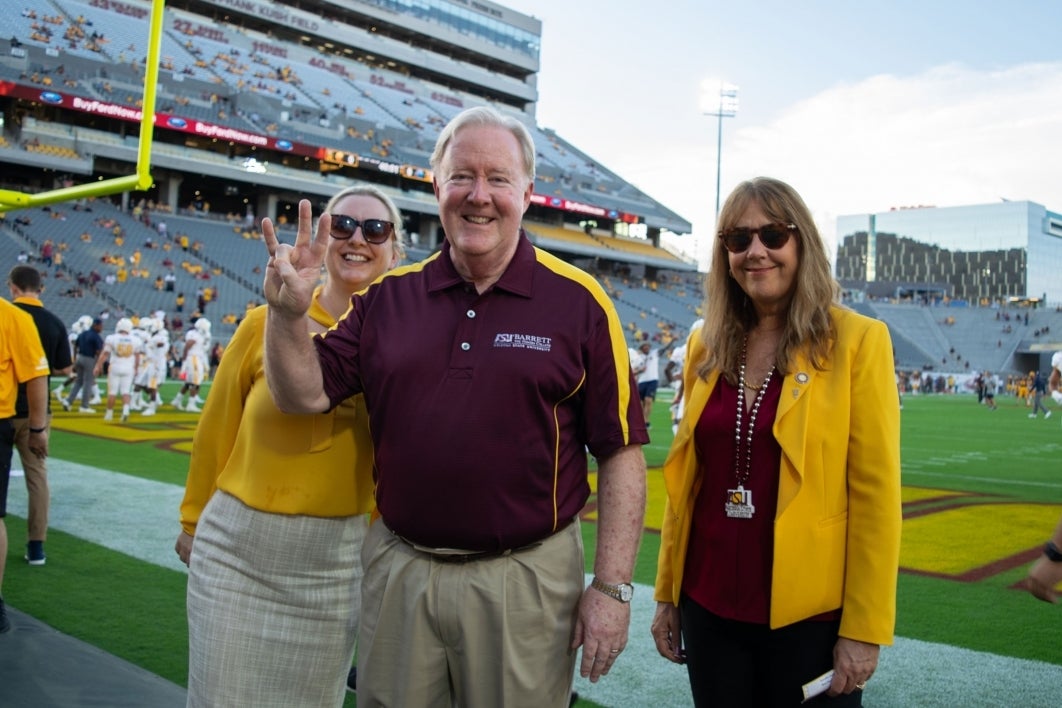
pixel 772 236
pixel 372 230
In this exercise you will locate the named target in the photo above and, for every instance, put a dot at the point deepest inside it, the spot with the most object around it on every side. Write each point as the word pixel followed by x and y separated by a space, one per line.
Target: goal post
pixel 141 179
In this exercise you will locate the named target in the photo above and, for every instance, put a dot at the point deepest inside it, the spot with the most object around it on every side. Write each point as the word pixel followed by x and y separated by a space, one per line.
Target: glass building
pixel 982 253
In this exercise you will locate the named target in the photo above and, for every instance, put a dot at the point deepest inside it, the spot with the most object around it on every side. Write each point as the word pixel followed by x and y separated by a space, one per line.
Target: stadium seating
pixel 217 73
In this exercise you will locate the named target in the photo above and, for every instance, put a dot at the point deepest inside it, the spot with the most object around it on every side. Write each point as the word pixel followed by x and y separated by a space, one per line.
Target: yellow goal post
pixel 141 179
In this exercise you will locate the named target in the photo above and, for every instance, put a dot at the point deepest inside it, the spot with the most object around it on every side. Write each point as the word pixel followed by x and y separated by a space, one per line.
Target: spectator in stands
pixel 524 346
pixel 291 560
pixel 25 285
pixel 779 551
pixel 22 361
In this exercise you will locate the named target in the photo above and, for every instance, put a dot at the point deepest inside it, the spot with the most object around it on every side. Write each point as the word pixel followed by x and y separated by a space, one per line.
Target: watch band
pixel 1052 552
pixel 621 592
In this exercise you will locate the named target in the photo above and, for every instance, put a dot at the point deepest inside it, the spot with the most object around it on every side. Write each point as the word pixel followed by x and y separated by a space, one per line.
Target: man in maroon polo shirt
pixel 488 370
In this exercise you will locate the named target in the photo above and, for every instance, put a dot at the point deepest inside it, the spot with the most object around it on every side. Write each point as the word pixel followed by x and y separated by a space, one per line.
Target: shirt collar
pixel 517 278
pixel 317 311
pixel 28 300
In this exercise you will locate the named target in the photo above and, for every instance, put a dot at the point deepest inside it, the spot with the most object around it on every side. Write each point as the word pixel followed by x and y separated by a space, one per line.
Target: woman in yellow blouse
pixel 781 537
pixel 276 506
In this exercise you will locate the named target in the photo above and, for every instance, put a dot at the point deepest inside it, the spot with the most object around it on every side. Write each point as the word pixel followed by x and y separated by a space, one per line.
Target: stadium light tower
pixel 723 105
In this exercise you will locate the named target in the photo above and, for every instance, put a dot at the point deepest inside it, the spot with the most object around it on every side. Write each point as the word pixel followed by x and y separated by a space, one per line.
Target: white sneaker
pixel 95 401
pixel 83 409
pixel 176 403
pixel 58 393
pixel 108 416
pixel 150 410
pixel 1047 415
pixel 191 407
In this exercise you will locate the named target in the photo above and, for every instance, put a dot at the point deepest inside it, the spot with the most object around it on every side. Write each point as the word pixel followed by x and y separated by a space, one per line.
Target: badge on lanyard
pixel 739 503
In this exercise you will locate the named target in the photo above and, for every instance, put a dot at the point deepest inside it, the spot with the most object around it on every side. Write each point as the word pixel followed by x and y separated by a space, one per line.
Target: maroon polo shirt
pixel 728 562
pixel 482 406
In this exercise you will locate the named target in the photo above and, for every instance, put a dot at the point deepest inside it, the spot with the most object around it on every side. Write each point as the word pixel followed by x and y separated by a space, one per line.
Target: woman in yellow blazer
pixel 276 506
pixel 780 541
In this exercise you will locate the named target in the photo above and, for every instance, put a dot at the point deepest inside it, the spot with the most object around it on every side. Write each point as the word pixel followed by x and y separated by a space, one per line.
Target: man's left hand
pixel 38 444
pixel 601 629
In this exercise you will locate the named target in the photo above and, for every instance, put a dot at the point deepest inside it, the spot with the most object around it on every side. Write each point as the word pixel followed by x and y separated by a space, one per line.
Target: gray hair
pixel 487 116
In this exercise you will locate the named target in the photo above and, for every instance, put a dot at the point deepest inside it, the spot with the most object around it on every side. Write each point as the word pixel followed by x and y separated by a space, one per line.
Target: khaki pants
pixel 482 634
pixel 36 481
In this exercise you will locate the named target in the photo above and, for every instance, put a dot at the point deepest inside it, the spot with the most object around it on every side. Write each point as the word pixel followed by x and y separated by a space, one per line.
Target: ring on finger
pixel 861 685
pixel 614 651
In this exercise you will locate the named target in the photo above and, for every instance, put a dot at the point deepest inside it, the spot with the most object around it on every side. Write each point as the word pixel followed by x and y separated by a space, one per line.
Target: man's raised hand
pixel 294 271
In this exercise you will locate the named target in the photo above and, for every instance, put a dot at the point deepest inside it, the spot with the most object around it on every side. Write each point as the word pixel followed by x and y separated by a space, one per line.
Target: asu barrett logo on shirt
pixel 522 341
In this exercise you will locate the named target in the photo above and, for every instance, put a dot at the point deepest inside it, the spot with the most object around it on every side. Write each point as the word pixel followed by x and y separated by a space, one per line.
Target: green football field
pixel 982 490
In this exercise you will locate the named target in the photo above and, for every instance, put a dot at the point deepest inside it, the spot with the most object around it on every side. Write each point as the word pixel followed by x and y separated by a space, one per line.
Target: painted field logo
pixel 522 341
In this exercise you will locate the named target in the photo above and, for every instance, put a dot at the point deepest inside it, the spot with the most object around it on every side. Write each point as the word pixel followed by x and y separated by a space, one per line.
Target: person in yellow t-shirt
pixel 22 361
pixel 279 542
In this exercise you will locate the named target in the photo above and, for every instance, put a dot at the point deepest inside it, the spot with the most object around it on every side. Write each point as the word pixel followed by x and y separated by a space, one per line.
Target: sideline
pixel 138 517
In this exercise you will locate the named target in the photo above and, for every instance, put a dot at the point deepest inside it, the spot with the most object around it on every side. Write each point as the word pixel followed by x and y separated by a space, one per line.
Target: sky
pixel 861 106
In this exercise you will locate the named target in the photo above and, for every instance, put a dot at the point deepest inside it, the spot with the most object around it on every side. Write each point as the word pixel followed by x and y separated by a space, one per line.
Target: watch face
pixel 626 592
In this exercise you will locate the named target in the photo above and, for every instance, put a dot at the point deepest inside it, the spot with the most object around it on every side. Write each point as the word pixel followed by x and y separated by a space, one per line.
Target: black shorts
pixel 7 448
pixel 647 390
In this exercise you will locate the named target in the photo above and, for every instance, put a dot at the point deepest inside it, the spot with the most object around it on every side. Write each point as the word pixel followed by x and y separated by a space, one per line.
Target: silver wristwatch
pixel 622 592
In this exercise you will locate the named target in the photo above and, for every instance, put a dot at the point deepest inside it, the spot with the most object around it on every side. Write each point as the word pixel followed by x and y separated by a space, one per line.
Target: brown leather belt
pixel 454 555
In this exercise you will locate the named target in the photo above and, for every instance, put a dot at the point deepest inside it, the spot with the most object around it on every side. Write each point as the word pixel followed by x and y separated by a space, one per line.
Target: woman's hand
pixel 184 546
pixel 854 662
pixel 667 632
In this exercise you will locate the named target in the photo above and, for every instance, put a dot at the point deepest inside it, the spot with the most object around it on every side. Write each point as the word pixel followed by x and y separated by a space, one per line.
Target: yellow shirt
pixel 317 465
pixel 21 354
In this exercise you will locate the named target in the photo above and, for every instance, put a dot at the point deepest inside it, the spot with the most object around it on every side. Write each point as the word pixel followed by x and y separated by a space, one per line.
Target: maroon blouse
pixel 728 563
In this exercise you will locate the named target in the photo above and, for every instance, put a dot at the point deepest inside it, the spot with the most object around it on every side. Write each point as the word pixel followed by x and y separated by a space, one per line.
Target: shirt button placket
pixel 470 314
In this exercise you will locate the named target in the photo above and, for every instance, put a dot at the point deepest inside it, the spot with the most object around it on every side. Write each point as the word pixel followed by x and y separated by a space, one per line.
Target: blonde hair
pixel 394 214
pixel 729 311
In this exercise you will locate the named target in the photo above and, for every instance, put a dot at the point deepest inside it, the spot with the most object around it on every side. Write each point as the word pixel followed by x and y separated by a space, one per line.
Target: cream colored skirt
pixel 273 604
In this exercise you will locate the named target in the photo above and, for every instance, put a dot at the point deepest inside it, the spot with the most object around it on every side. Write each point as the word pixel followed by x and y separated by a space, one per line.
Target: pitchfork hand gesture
pixel 294 271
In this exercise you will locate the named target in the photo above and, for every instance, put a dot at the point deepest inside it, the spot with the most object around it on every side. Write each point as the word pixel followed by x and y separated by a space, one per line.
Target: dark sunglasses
pixel 372 230
pixel 772 236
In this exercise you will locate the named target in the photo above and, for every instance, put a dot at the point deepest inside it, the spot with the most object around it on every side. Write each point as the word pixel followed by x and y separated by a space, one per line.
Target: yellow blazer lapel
pixel 791 428
pixel 680 466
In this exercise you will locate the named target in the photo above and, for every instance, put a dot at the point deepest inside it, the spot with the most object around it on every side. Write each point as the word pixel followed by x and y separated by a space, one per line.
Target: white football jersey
pixel 196 343
pixel 123 348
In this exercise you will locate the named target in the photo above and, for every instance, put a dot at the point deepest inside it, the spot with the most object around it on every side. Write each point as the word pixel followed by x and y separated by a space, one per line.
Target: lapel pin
pixel 802 378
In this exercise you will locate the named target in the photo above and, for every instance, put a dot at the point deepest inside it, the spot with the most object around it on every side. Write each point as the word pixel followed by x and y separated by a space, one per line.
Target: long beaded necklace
pixel 739 500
